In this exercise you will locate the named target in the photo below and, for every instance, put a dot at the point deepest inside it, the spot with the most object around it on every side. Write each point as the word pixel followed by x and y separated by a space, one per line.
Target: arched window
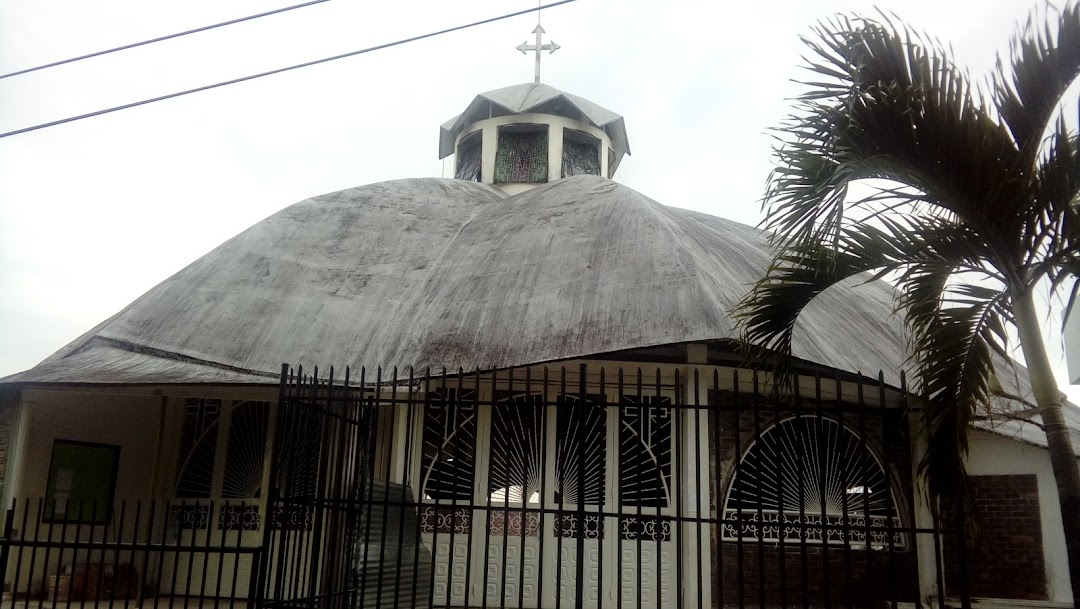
pixel 817 478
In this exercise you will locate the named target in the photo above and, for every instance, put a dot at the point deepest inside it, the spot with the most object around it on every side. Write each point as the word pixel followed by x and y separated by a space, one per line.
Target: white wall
pixel 991 454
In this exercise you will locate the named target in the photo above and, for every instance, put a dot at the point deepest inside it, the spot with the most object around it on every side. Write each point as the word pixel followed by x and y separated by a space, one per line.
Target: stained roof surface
pixel 447 273
pixel 437 272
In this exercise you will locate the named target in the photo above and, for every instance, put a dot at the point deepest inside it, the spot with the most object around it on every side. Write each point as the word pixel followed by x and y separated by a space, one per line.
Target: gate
pixel 322 462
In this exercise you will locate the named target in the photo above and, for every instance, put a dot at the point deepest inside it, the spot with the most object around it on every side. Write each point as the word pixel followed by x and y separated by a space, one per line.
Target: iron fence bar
pixel 560 474
pixel 778 413
pixel 530 411
pixel 890 502
pixel 804 573
pixel 838 391
pixel 581 447
pixel 826 580
pixel 675 415
pixel 755 437
pixel 649 411
pixel 9 523
pixel 370 491
pixel 864 482
pixel 543 478
pixel 255 563
pixel 454 496
pixel 602 496
pixel 420 490
pixel 637 557
pixel 619 398
pixel 389 479
pixel 416 417
pixel 379 387
pixel 33 558
pixel 698 577
pixel 718 491
pixel 475 483
pixel 737 423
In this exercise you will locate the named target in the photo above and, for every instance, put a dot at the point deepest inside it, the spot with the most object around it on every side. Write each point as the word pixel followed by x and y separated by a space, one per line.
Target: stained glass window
pixel 198 448
pixel 580 158
pixel 469 158
pixel 522 156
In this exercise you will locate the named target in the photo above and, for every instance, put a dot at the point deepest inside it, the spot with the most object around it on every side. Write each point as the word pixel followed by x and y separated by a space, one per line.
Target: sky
pixel 96 212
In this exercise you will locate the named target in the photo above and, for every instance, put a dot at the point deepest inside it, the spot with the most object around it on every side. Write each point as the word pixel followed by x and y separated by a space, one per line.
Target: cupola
pixel 525 135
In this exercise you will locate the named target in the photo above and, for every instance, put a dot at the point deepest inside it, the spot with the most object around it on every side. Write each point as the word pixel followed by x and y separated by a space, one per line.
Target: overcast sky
pixel 96 212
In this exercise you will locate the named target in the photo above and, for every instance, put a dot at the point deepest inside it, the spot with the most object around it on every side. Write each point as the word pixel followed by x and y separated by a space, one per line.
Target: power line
pixel 159 39
pixel 278 71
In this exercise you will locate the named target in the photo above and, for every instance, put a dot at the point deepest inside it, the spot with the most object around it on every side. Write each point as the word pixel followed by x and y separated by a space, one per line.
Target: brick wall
pixel 809 574
pixel 1005 556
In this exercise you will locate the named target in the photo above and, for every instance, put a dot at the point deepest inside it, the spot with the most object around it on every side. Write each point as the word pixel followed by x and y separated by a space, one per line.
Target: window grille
pixel 645 451
pixel 246 452
pixel 198 448
pixel 810 477
pixel 516 436
pixel 449 444
pixel 581 441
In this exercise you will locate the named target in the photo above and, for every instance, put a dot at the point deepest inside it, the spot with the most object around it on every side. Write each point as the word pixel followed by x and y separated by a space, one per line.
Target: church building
pixel 545 406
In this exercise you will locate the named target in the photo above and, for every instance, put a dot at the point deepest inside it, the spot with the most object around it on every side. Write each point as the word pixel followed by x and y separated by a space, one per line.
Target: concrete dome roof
pixel 438 272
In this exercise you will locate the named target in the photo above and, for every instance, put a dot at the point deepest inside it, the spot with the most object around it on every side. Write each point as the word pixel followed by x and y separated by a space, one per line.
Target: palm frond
pixel 954 353
pixel 1044 61
pixel 1052 228
pixel 902 112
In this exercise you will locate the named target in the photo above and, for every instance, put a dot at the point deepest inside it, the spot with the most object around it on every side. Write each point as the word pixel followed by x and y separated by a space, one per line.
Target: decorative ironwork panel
pixel 239 518
pixel 445 519
pixel 194 517
pixel 816 473
pixel 514 524
pixel 647 528
pixel 469 162
pixel 577 526
pixel 645 451
pixel 449 462
pixel 832 528
pixel 581 449
pixel 516 434
pixel 198 448
pixel 580 159
pixel 246 452
pixel 522 156
pixel 286 517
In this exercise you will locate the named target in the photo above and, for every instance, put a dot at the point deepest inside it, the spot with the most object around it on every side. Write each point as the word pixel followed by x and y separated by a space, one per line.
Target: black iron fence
pixel 133 554
pixel 535 487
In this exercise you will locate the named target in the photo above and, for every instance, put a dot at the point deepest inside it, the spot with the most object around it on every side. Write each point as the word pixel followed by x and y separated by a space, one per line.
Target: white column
pixel 696 450
pixel 555 144
pixel 923 519
pixel 489 145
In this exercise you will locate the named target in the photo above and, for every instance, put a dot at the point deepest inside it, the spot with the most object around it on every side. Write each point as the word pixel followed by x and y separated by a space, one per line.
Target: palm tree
pixel 973 207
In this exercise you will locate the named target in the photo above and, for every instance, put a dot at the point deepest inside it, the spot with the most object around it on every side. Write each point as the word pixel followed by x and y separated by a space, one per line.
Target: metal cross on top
pixel 550 47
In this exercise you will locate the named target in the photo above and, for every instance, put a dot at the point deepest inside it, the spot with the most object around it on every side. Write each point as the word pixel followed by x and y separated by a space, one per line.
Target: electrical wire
pixel 158 39
pixel 277 71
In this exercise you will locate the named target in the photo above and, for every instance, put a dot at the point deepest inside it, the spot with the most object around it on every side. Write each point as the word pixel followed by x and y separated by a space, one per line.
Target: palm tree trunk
pixel 1062 455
